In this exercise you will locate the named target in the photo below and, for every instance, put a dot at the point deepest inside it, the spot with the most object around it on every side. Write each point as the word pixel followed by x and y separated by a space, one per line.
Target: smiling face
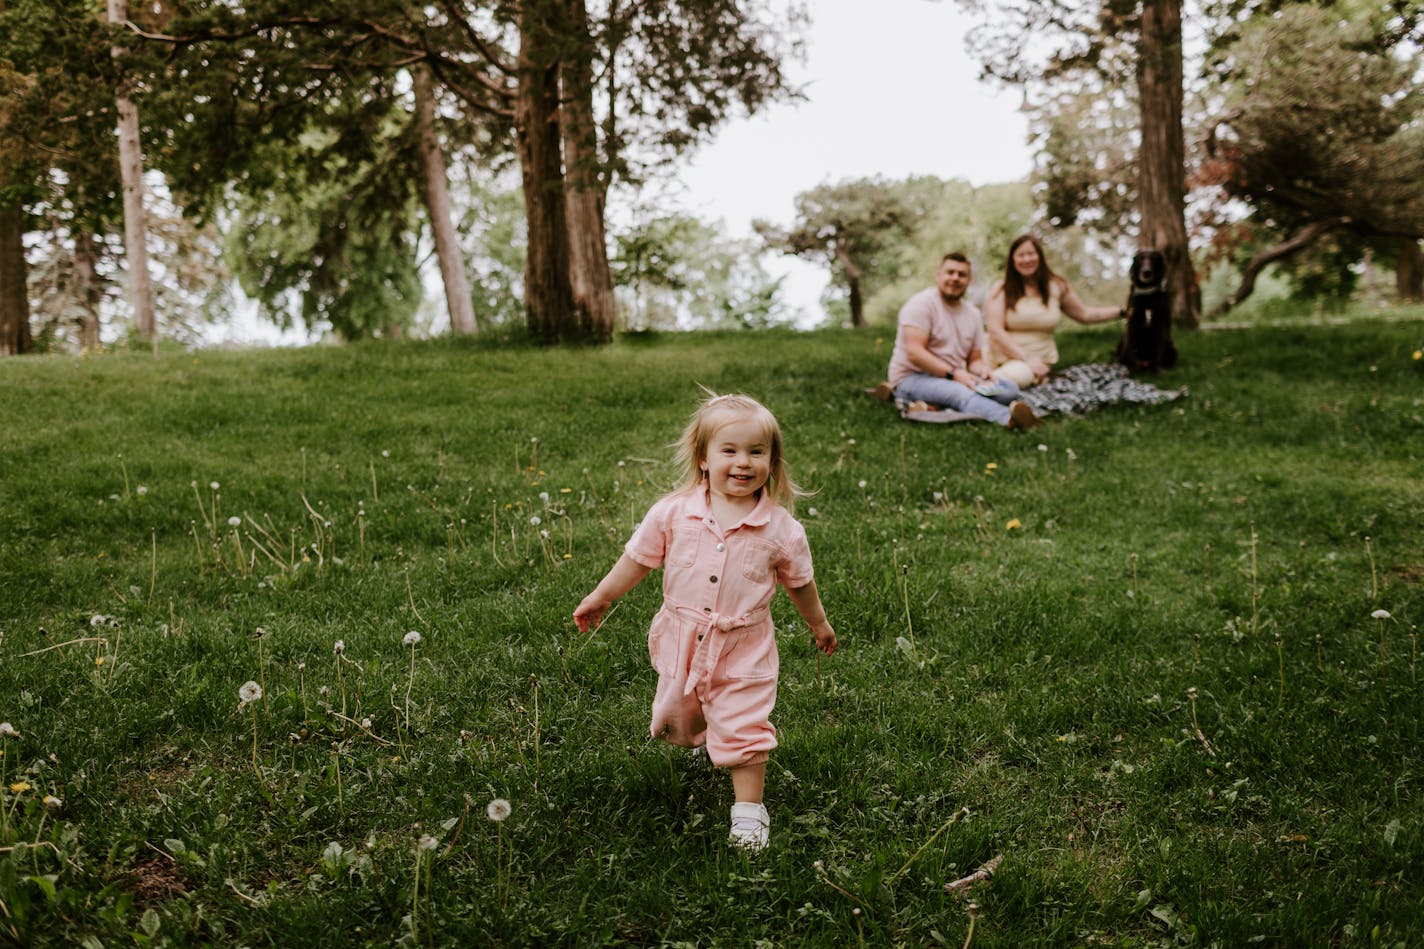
pixel 953 279
pixel 1026 259
pixel 738 460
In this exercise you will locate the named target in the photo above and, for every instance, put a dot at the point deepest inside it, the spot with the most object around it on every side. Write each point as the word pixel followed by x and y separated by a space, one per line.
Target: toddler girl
pixel 724 540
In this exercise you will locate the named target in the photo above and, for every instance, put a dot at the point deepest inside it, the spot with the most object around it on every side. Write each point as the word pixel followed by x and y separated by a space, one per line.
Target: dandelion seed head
pixel 249 692
pixel 301 667
pixel 1042 447
pixel 812 512
pixel 536 520
pixel 1072 456
pixel 97 620
pixel 366 724
pixel 234 521
pixel 411 638
pixel 1380 614
pixel 214 485
pixel 8 731
pixel 863 483
pixel 544 496
pixel 498 810
pixel 428 842
pixel 1192 693
pixel 385 453
pixel 141 490
pixel 339 648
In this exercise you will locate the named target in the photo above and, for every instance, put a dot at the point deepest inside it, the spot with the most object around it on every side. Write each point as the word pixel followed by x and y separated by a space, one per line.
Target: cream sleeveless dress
pixel 1030 324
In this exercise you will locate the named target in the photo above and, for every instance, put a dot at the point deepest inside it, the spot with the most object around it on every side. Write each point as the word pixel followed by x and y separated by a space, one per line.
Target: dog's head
pixel 1149 270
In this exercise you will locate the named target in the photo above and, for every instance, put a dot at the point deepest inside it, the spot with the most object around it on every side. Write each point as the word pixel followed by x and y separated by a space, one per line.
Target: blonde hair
pixel 716 411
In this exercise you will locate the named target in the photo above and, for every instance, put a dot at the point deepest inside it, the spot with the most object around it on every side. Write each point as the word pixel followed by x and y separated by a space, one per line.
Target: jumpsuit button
pixel 713 578
pixel 721 547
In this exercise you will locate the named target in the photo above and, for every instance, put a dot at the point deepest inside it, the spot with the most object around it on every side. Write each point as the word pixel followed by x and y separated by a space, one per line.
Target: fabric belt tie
pixel 709 648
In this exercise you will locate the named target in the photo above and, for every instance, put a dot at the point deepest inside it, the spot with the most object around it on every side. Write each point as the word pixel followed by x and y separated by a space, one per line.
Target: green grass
pixel 1017 692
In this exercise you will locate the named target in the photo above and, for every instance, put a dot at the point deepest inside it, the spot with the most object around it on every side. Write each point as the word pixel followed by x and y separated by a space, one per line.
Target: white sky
pixel 890 92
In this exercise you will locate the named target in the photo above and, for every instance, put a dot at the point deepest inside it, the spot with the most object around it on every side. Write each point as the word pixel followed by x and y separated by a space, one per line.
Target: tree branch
pixel 1297 242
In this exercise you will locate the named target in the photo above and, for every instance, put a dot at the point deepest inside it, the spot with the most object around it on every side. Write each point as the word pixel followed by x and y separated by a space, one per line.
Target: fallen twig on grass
pixel 962 886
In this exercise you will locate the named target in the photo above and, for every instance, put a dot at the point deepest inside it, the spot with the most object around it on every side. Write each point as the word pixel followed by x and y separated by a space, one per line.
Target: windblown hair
pixel 1042 279
pixel 715 412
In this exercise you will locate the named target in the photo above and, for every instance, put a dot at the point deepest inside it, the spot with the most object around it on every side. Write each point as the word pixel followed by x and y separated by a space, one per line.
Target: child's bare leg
pixel 749 782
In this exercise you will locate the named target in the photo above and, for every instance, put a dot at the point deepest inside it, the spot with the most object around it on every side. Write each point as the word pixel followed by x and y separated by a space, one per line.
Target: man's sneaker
pixel 751 826
pixel 1021 417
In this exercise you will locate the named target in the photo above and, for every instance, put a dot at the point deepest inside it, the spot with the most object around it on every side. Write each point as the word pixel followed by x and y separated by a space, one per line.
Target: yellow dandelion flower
pixel 1418 354
pixel 20 787
pixel 1014 525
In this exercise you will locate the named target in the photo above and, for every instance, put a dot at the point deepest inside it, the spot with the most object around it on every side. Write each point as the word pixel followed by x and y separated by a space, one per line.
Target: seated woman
pixel 1024 309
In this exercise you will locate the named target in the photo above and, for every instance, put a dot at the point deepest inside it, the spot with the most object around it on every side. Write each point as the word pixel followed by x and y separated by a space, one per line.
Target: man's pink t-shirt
pixel 953 332
pixel 724 569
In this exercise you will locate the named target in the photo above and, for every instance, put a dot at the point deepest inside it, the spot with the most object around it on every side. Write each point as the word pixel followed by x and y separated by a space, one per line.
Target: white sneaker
pixel 751 826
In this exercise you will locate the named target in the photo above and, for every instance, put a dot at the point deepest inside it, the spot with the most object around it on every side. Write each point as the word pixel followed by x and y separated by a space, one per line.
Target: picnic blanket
pixel 1075 390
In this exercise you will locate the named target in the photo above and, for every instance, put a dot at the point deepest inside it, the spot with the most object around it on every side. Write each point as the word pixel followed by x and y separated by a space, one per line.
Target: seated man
pixel 939 353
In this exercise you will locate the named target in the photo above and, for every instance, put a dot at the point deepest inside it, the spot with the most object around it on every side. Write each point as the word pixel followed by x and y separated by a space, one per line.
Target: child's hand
pixel 590 612
pixel 825 639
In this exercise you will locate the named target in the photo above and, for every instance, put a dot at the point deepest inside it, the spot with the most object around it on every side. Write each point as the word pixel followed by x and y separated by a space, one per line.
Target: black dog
pixel 1146 343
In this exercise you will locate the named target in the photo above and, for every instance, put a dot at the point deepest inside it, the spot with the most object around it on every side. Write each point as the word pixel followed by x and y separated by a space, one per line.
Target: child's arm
pixel 623 577
pixel 808 604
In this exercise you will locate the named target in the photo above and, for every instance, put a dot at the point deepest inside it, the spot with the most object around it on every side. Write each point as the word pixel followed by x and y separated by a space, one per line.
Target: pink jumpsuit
pixel 713 643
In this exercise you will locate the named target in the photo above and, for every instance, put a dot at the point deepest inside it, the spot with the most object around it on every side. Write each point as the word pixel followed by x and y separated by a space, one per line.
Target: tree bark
pixel 135 217
pixel 1162 157
pixel 549 308
pixel 86 290
pixel 589 275
pixel 458 299
pixel 15 338
pixel 1297 242
pixel 1409 271
pixel 852 276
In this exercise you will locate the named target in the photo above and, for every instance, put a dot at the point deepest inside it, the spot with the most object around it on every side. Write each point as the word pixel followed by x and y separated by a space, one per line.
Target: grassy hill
pixel 1137 654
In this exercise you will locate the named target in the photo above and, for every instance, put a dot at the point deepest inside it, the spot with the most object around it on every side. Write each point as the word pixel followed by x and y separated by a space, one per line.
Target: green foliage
pixel 1098 694
pixel 674 270
pixel 332 243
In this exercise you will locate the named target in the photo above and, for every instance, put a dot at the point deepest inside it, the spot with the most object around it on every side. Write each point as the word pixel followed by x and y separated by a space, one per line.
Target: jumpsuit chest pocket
pixel 759 561
pixel 682 550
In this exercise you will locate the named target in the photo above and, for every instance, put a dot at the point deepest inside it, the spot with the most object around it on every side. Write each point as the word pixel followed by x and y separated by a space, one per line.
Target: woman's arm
pixel 1075 308
pixel 623 577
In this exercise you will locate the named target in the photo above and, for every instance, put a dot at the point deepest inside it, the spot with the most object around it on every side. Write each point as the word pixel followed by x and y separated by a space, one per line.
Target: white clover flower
pixel 250 692
pixel 8 731
pixel 141 490
pixel 97 620
pixel 1381 614
pixel 498 810
pixel 536 520
pixel 339 648
pixel 411 638
pixel 427 842
pixel 234 521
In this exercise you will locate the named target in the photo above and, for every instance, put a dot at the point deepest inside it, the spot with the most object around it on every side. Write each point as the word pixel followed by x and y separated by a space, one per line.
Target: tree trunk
pixel 549 308
pixel 1162 158
pixel 458 299
pixel 135 217
pixel 589 274
pixel 1409 271
pixel 1298 241
pixel 15 337
pixel 86 290
pixel 852 276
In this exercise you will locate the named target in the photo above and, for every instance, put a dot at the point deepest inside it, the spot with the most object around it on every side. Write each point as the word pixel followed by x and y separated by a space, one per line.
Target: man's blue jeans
pixel 936 390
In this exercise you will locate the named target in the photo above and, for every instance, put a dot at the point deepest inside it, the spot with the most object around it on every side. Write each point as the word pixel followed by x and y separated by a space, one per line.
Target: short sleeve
pixel 794 571
pixel 649 543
